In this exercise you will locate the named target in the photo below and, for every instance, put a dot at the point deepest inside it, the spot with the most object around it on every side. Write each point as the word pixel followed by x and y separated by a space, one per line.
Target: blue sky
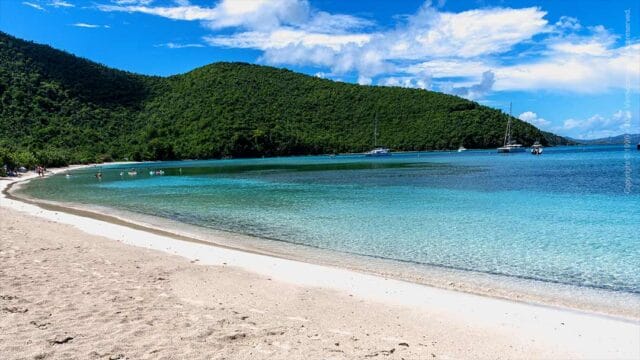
pixel 568 67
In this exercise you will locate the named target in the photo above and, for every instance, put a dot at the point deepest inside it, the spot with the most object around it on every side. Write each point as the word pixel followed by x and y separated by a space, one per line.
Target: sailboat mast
pixel 375 131
pixel 510 122
pixel 507 134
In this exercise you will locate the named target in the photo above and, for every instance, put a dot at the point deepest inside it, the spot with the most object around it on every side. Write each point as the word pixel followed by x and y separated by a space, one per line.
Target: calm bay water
pixel 561 217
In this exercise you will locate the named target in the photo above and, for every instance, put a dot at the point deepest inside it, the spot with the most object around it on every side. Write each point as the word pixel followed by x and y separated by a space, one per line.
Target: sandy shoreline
pixel 334 304
pixel 592 300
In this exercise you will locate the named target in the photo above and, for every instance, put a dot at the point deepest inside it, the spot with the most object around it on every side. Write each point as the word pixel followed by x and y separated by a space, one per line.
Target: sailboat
pixel 377 151
pixel 510 146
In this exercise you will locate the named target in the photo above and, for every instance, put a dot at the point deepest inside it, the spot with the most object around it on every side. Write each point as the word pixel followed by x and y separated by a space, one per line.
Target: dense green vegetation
pixel 56 108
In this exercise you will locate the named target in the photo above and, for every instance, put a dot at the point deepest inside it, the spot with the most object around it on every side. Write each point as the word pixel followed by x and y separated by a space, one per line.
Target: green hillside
pixel 57 108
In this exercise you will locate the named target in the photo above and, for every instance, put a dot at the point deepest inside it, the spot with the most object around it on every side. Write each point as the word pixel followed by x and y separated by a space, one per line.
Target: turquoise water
pixel 570 216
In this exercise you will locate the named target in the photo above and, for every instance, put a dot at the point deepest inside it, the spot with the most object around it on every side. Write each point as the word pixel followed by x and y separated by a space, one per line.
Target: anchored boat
pixel 536 149
pixel 377 151
pixel 509 145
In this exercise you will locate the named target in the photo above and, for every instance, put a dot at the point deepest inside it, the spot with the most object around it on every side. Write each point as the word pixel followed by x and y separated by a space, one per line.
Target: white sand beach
pixel 79 287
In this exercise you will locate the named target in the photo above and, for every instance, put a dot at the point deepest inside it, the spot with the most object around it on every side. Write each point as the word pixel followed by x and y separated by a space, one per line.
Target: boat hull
pixel 378 152
pixel 510 150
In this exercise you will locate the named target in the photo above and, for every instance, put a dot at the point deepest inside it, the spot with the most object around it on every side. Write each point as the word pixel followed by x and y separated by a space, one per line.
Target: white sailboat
pixel 377 151
pixel 510 146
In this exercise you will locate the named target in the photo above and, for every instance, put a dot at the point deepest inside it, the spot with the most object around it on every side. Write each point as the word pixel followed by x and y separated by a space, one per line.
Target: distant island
pixel 58 109
pixel 612 140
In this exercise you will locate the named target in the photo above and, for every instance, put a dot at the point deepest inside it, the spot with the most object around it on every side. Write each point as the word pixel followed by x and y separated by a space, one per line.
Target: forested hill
pixel 57 108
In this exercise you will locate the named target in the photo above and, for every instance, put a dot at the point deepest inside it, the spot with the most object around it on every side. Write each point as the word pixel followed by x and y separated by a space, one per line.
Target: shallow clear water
pixel 566 216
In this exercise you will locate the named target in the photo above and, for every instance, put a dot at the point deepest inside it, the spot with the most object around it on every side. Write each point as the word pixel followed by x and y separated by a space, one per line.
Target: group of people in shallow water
pixel 41 170
pixel 133 172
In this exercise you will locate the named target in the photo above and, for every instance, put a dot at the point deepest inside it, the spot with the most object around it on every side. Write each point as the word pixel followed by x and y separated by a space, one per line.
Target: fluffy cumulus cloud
pixel 433 34
pixel 345 44
pixel 458 52
pixel 406 81
pixel 533 119
pixel 474 91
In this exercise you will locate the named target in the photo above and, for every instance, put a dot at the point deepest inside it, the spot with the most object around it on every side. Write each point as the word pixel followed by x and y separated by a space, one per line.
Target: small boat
pixel 536 149
pixel 509 145
pixel 132 172
pixel 462 149
pixel 378 152
pixel 638 146
pixel 511 148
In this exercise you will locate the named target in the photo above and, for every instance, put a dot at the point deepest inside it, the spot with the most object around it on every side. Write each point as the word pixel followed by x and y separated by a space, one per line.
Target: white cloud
pixel 596 43
pixel 286 37
pixel 60 3
pixel 363 80
pixel 90 26
pixel 598 126
pixel 174 13
pixel 533 119
pixel 35 6
pixel 430 33
pixel 321 21
pixel 251 14
pixel 132 2
pixel 449 68
pixel 406 81
pixel 172 45
pixel 448 51
pixel 474 91
pixel 568 23
pixel 580 73
pixel 343 47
